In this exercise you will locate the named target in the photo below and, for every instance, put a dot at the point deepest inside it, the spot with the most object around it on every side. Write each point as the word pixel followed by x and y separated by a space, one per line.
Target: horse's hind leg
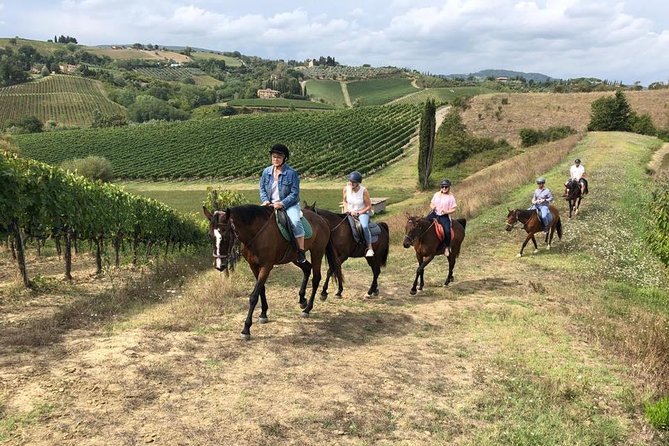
pixel 263 298
pixel 253 300
pixel 324 291
pixel 316 258
pixel 376 270
pixel 451 265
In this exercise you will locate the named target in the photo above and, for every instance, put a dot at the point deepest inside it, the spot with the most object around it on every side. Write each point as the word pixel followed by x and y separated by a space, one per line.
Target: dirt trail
pixel 394 369
pixel 344 91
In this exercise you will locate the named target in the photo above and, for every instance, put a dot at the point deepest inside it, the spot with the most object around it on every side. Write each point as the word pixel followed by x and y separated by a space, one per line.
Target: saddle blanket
pixel 440 231
pixel 282 221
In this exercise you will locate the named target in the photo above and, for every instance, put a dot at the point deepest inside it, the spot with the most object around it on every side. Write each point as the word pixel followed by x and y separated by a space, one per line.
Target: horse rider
pixel 443 205
pixel 541 199
pixel 357 203
pixel 280 188
pixel 576 173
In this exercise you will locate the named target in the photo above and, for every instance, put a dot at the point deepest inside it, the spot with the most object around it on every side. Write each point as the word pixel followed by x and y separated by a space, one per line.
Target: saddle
pixel 286 227
pixel 441 234
pixel 358 234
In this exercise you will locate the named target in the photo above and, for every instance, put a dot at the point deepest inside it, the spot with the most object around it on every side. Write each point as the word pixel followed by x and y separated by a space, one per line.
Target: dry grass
pixel 489 117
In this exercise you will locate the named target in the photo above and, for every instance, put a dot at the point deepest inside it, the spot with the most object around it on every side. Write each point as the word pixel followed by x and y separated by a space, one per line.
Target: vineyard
pixel 441 95
pixel 329 143
pixel 379 91
pixel 170 73
pixel 41 201
pixel 327 90
pixel 66 100
pixel 346 72
pixel 279 103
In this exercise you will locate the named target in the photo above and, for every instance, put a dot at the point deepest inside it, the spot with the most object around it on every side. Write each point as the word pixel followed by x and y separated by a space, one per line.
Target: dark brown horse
pixel 346 246
pixel 263 246
pixel 532 224
pixel 422 235
pixel 574 196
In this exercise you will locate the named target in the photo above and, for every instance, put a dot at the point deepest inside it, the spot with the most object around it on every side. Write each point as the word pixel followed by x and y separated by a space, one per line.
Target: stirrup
pixel 301 258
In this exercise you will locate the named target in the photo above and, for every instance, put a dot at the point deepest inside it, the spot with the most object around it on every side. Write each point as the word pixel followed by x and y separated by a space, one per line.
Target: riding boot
pixel 301 258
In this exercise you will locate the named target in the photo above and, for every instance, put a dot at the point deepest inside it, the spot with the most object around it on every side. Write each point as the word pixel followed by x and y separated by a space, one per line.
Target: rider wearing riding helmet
pixel 357 203
pixel 443 205
pixel 541 199
pixel 280 188
pixel 576 173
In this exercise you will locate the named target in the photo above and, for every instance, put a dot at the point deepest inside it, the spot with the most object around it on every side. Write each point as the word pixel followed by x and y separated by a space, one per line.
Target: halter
pixel 412 239
pixel 511 226
pixel 236 234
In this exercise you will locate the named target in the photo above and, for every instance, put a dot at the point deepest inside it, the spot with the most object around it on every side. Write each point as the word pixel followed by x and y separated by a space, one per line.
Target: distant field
pixel 170 73
pixel 279 102
pixel 67 100
pixel 327 143
pixel 328 90
pixel 41 46
pixel 502 115
pixel 229 61
pixel 190 200
pixel 441 94
pixel 379 91
pixel 129 53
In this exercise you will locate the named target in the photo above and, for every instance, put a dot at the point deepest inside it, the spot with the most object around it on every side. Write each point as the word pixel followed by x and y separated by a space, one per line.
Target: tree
pixel 92 167
pixel 426 148
pixel 30 124
pixel 610 114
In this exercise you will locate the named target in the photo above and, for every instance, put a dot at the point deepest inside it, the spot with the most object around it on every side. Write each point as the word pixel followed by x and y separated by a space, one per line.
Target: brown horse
pixel 346 246
pixel 532 224
pixel 574 196
pixel 422 235
pixel 263 246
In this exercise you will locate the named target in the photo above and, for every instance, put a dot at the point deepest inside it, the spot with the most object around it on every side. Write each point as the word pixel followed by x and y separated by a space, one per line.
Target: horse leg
pixel 422 271
pixel 324 291
pixel 316 258
pixel 527 239
pixel 451 265
pixel 263 274
pixel 376 270
pixel 306 270
pixel 263 298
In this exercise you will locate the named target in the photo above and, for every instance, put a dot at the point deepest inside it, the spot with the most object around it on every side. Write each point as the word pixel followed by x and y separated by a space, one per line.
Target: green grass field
pixel 229 61
pixel 379 91
pixel 442 95
pixel 327 90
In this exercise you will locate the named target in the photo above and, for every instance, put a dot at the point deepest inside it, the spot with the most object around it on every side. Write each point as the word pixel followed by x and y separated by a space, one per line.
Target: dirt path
pixel 344 91
pixel 479 362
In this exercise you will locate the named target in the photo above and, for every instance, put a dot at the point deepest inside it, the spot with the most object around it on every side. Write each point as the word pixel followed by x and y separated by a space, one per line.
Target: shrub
pixel 610 114
pixel 216 199
pixel 658 233
pixel 29 124
pixel 643 124
pixel 92 167
pixel 531 137
pixel 657 413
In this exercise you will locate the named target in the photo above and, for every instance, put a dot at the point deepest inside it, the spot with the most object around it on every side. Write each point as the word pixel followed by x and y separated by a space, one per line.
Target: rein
pixel 412 240
pixel 338 224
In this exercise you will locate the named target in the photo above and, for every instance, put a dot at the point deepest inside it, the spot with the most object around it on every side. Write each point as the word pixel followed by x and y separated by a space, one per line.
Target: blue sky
pixel 615 40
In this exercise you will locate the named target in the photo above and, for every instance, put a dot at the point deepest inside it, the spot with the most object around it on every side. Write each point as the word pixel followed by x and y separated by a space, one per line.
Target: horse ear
pixel 206 213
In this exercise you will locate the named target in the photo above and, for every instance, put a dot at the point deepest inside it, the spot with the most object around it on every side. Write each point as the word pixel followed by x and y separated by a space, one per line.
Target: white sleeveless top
pixel 355 200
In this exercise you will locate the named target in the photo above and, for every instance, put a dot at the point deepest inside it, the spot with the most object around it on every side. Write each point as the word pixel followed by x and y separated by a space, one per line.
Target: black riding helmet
pixel 577 161
pixel 280 148
pixel 355 177
pixel 445 182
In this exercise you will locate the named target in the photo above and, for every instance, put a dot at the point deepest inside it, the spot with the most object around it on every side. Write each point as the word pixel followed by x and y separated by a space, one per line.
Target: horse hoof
pixel 304 314
pixel 324 297
pixel 412 292
pixel 369 296
pixel 535 251
pixel 548 248
pixel 263 320
pixel 246 337
pixel 519 255
pixel 303 305
pixel 376 292
pixel 338 296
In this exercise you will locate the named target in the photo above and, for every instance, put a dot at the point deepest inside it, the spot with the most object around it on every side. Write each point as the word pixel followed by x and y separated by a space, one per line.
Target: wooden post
pixel 98 255
pixel 68 254
pixel 20 253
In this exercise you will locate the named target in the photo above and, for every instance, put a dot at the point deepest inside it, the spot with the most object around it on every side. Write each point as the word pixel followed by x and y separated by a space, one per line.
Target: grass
pixel 279 103
pixel 441 95
pixel 229 61
pixel 327 90
pixel 379 91
pixel 11 424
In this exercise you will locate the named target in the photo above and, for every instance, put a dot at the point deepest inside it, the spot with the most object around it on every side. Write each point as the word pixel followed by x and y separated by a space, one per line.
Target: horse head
pixel 223 237
pixel 411 230
pixel 511 219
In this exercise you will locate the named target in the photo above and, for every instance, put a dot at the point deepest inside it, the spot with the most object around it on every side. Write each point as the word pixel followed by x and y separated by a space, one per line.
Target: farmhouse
pixel 67 68
pixel 502 79
pixel 267 93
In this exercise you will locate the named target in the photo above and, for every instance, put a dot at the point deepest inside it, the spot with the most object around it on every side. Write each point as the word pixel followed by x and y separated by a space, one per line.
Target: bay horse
pixel 532 224
pixel 346 246
pixel 421 233
pixel 263 247
pixel 573 196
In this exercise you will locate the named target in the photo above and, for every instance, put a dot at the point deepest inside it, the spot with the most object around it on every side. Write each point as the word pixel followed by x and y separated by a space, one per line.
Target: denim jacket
pixel 289 186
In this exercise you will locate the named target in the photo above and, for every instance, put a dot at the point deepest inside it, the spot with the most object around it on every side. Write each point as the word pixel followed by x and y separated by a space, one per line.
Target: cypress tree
pixel 426 143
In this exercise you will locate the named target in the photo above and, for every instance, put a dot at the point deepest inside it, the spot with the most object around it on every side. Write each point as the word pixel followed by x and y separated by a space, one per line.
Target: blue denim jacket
pixel 289 186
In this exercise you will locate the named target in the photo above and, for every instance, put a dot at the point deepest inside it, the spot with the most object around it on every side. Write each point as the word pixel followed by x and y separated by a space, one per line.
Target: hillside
pixel 536 77
pixel 61 99
pixel 502 115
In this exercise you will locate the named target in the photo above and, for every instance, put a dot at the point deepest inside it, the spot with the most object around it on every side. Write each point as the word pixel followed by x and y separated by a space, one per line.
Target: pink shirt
pixel 443 203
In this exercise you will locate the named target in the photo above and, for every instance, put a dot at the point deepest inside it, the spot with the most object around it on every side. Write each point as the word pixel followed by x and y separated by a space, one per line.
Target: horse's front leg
pixel 527 239
pixel 263 274
pixel 263 298
pixel 324 291
pixel 306 271
pixel 316 259
pixel 376 270
pixel 451 265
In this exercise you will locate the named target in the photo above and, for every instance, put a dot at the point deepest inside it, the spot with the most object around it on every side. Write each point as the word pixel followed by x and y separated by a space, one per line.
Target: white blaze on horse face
pixel 219 237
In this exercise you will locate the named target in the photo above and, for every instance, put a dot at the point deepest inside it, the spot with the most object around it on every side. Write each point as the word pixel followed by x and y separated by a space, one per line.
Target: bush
pixel 101 121
pixel 610 114
pixel 657 413
pixel 216 199
pixel 531 137
pixel 92 167
pixel 643 124
pixel 29 124
pixel 147 108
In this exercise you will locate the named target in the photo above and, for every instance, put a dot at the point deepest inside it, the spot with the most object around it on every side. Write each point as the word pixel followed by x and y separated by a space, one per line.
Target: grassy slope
pixel 279 103
pixel 441 95
pixel 379 91
pixel 552 349
pixel 328 90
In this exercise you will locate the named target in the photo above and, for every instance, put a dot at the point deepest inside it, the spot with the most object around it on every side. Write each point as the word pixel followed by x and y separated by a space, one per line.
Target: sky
pixel 625 40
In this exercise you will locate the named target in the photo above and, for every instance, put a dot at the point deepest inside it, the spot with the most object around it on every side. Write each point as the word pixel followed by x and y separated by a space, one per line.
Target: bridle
pixel 235 241
pixel 510 226
pixel 411 240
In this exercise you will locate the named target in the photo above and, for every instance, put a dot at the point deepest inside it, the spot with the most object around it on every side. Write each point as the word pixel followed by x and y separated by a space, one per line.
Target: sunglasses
pixel 445 187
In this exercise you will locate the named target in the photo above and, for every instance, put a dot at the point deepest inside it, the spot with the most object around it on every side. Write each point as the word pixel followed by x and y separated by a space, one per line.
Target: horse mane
pixel 325 211
pixel 525 213
pixel 248 213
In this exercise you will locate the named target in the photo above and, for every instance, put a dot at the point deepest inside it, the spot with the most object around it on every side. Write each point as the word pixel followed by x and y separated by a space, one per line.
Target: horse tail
pixel 333 262
pixel 558 225
pixel 463 222
pixel 385 249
